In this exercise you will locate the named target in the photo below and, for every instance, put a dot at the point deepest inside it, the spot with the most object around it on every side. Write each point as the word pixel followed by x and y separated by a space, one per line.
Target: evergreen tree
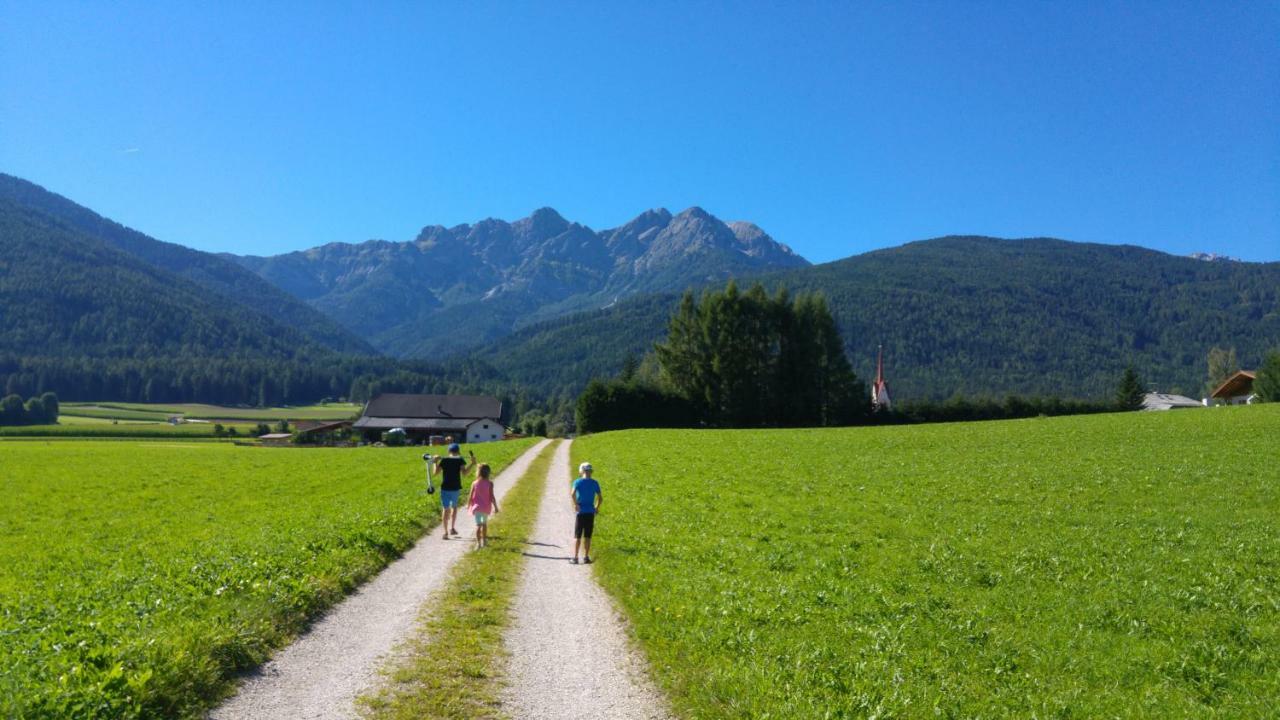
pixel 1267 383
pixel 1130 393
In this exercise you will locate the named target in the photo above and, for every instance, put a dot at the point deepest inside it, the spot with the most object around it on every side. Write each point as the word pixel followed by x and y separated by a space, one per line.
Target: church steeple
pixel 880 391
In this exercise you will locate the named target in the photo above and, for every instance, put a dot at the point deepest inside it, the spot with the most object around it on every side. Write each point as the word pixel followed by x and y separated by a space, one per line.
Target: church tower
pixel 880 390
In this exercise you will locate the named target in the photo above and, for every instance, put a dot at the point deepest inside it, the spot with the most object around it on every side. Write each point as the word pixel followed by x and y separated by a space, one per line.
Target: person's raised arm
pixel 471 465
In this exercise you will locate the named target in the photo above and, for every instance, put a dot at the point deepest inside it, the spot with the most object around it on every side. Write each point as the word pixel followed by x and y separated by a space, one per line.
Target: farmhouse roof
pixel 1239 384
pixel 1166 401
pixel 393 405
pixel 386 423
pixel 306 427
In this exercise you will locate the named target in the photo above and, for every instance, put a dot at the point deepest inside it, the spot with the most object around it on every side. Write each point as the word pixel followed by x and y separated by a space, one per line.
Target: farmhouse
pixel 1235 390
pixel 1165 401
pixel 467 418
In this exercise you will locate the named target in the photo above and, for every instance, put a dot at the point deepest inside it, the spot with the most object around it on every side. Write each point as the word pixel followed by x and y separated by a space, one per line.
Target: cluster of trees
pixel 734 359
pixel 40 410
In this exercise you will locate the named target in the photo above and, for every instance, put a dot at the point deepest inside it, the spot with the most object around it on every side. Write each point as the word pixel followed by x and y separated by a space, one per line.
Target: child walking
pixel 482 502
pixel 586 497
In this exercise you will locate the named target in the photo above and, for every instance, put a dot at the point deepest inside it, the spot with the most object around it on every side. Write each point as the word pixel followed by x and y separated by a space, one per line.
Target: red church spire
pixel 880 391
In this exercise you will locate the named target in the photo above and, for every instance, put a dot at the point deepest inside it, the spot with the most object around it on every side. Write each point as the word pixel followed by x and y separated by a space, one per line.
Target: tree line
pixel 262 382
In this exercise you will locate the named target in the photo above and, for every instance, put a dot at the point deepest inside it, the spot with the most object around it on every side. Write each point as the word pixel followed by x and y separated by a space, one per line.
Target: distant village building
pixel 1235 390
pixel 880 390
pixel 466 418
pixel 275 438
pixel 1166 401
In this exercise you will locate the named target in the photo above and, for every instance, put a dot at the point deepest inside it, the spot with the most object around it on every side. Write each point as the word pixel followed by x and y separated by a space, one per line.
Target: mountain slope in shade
pixel 973 315
pixel 65 293
pixel 453 288
pixel 217 275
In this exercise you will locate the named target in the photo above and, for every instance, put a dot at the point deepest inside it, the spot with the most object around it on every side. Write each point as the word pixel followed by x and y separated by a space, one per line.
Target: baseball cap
pixel 584 467
pixel 454 447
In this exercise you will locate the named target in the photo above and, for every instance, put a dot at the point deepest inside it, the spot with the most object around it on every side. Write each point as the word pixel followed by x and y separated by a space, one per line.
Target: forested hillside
pixel 975 315
pixel 217 276
pixel 92 322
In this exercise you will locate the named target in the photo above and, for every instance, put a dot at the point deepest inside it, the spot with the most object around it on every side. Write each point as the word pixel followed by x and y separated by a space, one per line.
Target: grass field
pixel 1123 565
pixel 162 411
pixel 69 427
pixel 137 577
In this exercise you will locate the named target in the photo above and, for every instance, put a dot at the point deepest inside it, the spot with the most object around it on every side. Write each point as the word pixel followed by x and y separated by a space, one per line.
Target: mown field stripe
pixel 453 668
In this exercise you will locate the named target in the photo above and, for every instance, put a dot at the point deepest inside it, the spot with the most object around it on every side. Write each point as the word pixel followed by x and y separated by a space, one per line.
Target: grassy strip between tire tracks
pixel 453 667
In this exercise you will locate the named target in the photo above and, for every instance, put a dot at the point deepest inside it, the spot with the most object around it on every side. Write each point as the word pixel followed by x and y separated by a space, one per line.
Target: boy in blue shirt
pixel 587 497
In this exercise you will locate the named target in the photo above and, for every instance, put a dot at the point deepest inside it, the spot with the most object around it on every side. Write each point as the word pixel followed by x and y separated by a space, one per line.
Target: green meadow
pixel 163 411
pixel 80 427
pixel 136 578
pixel 1123 565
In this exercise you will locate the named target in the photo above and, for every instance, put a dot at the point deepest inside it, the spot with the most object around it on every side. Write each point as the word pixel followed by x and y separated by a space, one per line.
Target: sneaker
pixel 586 561
pixel 453 531
pixel 573 561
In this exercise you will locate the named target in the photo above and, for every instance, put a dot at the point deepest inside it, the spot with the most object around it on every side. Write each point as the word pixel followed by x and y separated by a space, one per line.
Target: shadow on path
pixel 545 557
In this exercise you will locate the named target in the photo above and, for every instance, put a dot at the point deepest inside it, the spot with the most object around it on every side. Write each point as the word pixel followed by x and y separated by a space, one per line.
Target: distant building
pixel 1235 390
pixel 880 390
pixel 467 418
pixel 1165 401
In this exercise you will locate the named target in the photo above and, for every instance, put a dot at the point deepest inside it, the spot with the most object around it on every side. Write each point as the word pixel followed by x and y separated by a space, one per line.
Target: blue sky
pixel 838 127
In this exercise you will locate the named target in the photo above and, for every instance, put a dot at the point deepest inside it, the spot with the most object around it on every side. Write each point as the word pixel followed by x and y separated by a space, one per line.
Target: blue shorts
pixel 449 498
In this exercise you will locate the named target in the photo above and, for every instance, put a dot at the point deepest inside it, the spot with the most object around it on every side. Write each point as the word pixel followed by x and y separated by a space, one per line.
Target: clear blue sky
pixel 838 127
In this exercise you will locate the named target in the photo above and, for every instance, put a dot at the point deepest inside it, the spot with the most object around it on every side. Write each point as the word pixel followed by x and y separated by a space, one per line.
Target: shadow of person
pixel 545 557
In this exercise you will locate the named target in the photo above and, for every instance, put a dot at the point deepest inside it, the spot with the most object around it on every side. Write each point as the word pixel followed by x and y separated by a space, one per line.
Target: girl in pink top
pixel 481 502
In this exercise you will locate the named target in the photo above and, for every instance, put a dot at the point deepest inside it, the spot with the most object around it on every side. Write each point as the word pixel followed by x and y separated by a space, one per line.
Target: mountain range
pixel 451 289
pixel 544 304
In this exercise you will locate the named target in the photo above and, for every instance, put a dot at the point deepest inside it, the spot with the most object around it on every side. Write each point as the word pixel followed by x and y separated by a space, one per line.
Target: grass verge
pixel 1121 566
pixel 138 578
pixel 453 667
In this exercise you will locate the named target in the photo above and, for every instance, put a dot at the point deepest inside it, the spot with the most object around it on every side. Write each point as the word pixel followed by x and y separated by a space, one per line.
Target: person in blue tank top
pixel 587 497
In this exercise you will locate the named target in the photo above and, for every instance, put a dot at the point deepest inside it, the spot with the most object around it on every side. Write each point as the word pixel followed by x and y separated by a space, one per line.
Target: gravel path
pixel 570 656
pixel 321 674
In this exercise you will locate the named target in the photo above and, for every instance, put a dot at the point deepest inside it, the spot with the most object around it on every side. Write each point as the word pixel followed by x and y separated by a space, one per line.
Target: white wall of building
pixel 484 431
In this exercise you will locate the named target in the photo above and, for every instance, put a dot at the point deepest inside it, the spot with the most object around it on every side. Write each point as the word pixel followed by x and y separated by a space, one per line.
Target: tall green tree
pixel 1130 392
pixel 1222 364
pixel 1267 383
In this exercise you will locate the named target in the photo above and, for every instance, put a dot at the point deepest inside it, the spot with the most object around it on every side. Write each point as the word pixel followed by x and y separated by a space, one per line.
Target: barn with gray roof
pixel 466 418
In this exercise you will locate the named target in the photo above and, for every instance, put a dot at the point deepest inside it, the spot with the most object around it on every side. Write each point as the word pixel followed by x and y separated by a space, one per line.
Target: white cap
pixel 584 467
